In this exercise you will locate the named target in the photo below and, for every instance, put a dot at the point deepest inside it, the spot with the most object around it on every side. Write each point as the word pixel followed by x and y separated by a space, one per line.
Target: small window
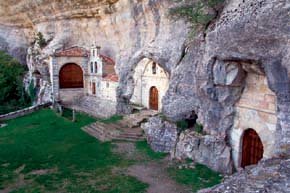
pixel 93 52
pixel 96 67
pixel 99 84
pixel 154 68
pixel 92 67
pixel 108 85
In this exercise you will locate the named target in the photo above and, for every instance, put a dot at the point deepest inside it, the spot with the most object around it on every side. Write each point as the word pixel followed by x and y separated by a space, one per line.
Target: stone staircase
pixel 127 129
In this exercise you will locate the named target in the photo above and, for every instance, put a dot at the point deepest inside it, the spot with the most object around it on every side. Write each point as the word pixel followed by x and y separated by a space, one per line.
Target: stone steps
pixel 127 129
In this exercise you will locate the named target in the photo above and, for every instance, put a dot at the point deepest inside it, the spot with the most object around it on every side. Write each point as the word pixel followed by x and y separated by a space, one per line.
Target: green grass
pixel 198 178
pixel 80 163
pixel 143 147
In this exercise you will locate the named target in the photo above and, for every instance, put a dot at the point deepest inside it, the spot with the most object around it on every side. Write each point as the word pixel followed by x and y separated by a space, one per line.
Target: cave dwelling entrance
pixel 151 82
pixel 252 148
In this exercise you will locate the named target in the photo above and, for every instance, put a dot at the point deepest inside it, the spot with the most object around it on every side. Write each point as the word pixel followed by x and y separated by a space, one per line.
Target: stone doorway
pixel 153 98
pixel 252 148
pixel 71 76
pixel 94 88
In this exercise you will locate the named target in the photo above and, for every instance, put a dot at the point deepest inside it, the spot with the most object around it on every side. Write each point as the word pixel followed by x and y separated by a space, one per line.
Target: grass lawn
pixel 46 153
pixel 198 178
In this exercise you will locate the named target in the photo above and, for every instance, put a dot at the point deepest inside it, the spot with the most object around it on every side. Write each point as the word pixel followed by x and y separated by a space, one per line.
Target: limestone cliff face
pixel 122 28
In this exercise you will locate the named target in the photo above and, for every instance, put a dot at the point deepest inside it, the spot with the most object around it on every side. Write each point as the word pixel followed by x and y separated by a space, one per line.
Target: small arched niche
pixel 151 82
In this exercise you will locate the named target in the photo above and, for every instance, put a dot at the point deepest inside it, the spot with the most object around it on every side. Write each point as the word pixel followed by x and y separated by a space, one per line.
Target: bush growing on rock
pixel 12 92
pixel 198 13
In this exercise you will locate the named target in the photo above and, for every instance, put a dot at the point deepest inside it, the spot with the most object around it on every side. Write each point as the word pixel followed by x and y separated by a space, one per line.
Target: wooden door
pixel 71 76
pixel 153 99
pixel 252 150
pixel 94 88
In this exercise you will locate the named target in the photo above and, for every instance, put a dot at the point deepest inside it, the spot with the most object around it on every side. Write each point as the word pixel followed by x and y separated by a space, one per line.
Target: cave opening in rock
pixel 71 76
pixel 191 120
pixel 252 148
pixel 150 85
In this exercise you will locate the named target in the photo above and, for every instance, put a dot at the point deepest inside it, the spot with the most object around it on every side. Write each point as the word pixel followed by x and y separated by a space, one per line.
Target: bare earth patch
pixel 151 172
pixel 155 174
pixel 43 171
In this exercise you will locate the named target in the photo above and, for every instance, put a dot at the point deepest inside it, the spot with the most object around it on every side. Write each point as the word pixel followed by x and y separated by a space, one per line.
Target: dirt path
pixel 151 172
pixel 155 174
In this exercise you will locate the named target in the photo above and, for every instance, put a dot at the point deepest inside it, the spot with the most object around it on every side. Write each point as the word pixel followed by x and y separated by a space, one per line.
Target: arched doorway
pixel 153 98
pixel 71 76
pixel 252 149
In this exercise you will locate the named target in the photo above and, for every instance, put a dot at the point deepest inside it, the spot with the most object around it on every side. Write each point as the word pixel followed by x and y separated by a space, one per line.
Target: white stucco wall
pixel 105 89
pixel 256 109
pixel 144 79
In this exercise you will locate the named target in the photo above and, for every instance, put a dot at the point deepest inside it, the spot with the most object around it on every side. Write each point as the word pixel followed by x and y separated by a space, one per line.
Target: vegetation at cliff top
pixel 12 93
pixel 198 13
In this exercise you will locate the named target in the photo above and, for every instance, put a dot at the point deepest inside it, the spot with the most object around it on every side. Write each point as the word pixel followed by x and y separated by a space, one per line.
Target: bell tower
pixel 96 63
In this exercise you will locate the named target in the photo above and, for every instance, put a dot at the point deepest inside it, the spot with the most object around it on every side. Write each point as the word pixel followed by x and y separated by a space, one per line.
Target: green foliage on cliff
pixel 12 93
pixel 197 13
pixel 41 41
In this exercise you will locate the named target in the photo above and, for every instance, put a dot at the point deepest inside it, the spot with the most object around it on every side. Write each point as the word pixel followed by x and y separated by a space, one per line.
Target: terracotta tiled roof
pixel 107 60
pixel 111 77
pixel 72 52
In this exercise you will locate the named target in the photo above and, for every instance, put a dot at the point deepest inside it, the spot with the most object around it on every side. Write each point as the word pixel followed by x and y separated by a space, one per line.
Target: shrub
pixel 41 40
pixel 182 125
pixel 13 95
pixel 196 13
pixel 198 128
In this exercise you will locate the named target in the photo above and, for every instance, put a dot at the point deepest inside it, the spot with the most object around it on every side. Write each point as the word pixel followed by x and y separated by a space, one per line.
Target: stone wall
pixel 96 107
pixel 23 112
pixel 256 109
pixel 56 63
pixel 105 89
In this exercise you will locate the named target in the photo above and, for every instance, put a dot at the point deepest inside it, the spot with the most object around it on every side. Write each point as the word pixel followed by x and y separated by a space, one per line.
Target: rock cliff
pixel 207 74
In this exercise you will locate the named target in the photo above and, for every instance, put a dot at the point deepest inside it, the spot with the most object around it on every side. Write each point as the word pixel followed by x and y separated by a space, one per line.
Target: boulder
pixel 160 134
pixel 271 175
pixel 205 149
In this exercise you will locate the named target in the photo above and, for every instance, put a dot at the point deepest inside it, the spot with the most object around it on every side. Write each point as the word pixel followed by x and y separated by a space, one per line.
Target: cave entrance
pixel 191 120
pixel 71 76
pixel 252 148
pixel 153 98
pixel 151 82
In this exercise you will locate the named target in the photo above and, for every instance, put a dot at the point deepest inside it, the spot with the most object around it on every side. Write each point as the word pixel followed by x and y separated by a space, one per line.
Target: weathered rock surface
pixel 271 175
pixel 160 134
pixel 209 150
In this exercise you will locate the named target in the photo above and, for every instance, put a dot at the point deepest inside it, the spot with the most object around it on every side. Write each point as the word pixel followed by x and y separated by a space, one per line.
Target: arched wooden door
pixel 71 76
pixel 153 99
pixel 252 149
